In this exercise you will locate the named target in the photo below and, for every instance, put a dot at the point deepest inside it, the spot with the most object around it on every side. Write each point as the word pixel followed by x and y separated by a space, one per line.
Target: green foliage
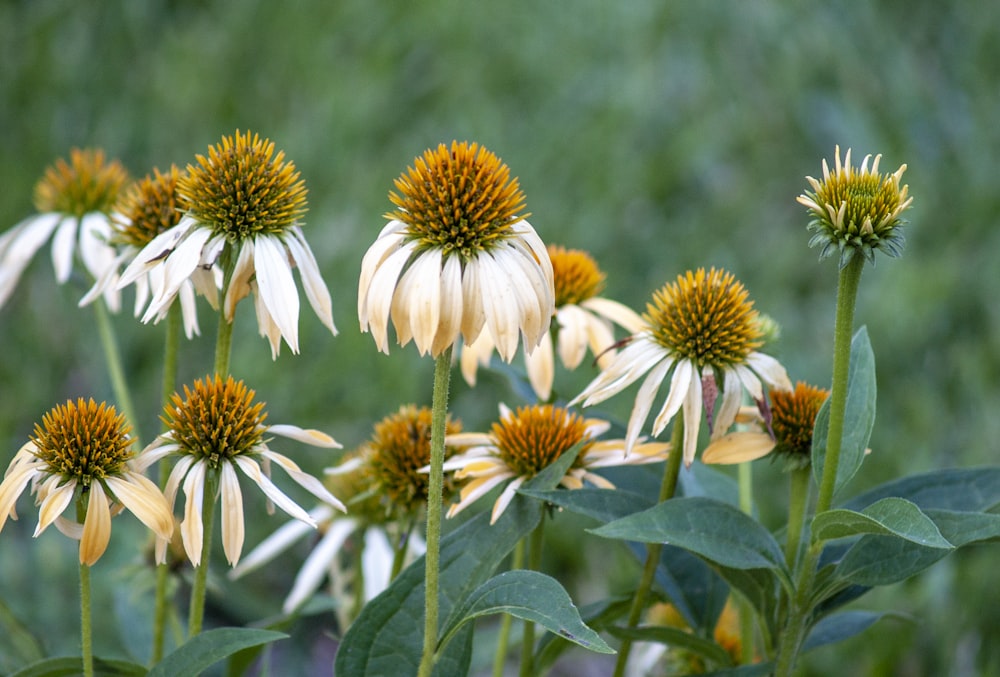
pixel 209 647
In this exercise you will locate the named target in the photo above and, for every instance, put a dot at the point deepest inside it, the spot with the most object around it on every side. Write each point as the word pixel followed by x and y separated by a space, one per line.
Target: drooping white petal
pixel 452 306
pixel 54 503
pixel 380 293
pixel 644 402
pixel 144 499
pixel 618 313
pixel 232 514
pixel 240 283
pixel 317 564
pixel 738 447
pixel 316 438
pixel 501 305
pixel 732 398
pixel 770 370
pixel 276 287
pixel 573 335
pixel 253 471
pixel 391 237
pixel 540 364
pixel 692 420
pixel 63 247
pixel 304 479
pixel 680 386
pixel 475 354
pixel 191 526
pixel 376 561
pixel 473 490
pixel 96 526
pixel 155 251
pixel 312 280
pixel 416 304
pixel 473 311
pixel 14 482
pixel 506 496
pixel 274 545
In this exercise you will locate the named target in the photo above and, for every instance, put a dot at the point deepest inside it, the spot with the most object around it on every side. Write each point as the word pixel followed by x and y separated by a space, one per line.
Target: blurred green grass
pixel 658 135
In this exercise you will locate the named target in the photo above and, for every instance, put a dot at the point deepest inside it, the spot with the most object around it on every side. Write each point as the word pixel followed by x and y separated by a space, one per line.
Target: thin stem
pixel 116 372
pixel 668 487
pixel 795 630
pixel 435 489
pixel 746 611
pixel 198 589
pixel 534 564
pixel 506 620
pixel 170 350
pixel 798 499
pixel 86 633
pixel 223 346
pixel 402 545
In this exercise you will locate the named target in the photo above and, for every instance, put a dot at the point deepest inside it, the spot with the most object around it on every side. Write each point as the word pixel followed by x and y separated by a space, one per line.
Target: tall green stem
pixel 86 633
pixel 435 490
pixel 198 589
pixel 746 610
pixel 116 372
pixel 402 545
pixel 668 486
pixel 506 620
pixel 169 385
pixel 534 564
pixel 795 630
pixel 798 500
pixel 223 346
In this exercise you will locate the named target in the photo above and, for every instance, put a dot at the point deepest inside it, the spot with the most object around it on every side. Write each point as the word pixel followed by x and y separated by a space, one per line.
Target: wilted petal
pixel 96 526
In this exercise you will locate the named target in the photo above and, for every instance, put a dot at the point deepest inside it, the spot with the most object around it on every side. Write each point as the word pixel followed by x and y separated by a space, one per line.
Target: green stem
pixel 794 632
pixel 115 370
pixel 746 611
pixel 170 350
pixel 86 633
pixel 667 489
pixel 506 620
pixel 198 589
pixel 798 499
pixel 435 490
pixel 534 564
pixel 402 545
pixel 223 346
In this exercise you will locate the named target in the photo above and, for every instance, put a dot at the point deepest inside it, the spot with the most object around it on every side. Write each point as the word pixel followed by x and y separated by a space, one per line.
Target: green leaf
pixel 695 588
pixel 18 646
pixel 890 516
pixel 881 560
pixel 675 637
pixel 712 529
pixel 963 528
pixel 72 666
pixel 209 647
pixel 387 637
pixel 961 489
pixel 838 627
pixel 859 415
pixel 597 615
pixel 604 505
pixel 759 587
pixel 531 596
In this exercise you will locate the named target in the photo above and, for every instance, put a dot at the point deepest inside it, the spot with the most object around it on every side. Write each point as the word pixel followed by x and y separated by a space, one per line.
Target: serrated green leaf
pixel 890 516
pixel 709 528
pixel 531 596
pixel 209 647
pixel 881 560
pixel 859 415
pixel 960 489
pixel 675 637
pixel 604 505
pixel 72 666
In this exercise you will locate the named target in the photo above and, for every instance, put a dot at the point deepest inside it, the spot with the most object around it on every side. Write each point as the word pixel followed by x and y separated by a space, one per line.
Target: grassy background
pixel 660 136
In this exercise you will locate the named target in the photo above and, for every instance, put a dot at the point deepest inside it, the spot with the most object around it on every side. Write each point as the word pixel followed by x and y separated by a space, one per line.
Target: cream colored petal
pixel 266 325
pixel 232 514
pixel 473 490
pixel 598 481
pixel 530 241
pixel 189 310
pixel 63 246
pixel 156 251
pixel 276 287
pixel 617 312
pixel 53 503
pixel 644 402
pixel 239 283
pixel 380 295
pixel 601 339
pixel 475 354
pixel 500 303
pixel 540 364
pixel 535 300
pixel 316 438
pixel 253 471
pixel 473 310
pixel 732 397
pixel 177 474
pixel 692 420
pixel 770 370
pixel 317 564
pixel 14 482
pixel 389 240
pixel 312 279
pixel 737 447
pixel 681 384
pixel 468 439
pixel 416 305
pixel 573 335
pixel 145 500
pixel 376 561
pixel 159 448
pixel 272 546
pixel 452 305
pixel 98 257
pixel 96 526
pixel 192 528
pixel 305 480
pixel 641 355
pixel 506 496
pixel 573 480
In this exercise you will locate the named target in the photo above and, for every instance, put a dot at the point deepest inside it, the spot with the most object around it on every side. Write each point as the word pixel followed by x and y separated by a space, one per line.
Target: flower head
pixel 787 430
pixel 399 447
pixel 86 446
pixel 703 331
pixel 241 208
pixel 457 257
pixel 582 319
pixel 524 442
pixel 856 210
pixel 215 429
pixel 75 200
pixel 147 209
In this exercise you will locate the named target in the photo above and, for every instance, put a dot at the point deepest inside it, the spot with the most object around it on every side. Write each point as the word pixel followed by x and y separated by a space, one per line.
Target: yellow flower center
pixel 243 188
pixel 84 184
pixel 216 420
pixel 870 198
pixel 533 437
pixel 149 207
pixel 706 318
pixel 401 446
pixel 459 200
pixel 575 275
pixel 793 415
pixel 83 440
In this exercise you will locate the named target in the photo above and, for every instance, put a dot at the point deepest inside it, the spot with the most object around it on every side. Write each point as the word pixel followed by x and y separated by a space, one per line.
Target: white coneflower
pixel 241 207
pixel 457 258
pixel 702 331
pixel 84 448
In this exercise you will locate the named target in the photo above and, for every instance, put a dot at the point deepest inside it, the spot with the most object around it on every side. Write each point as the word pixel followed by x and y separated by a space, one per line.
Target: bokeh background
pixel 658 135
